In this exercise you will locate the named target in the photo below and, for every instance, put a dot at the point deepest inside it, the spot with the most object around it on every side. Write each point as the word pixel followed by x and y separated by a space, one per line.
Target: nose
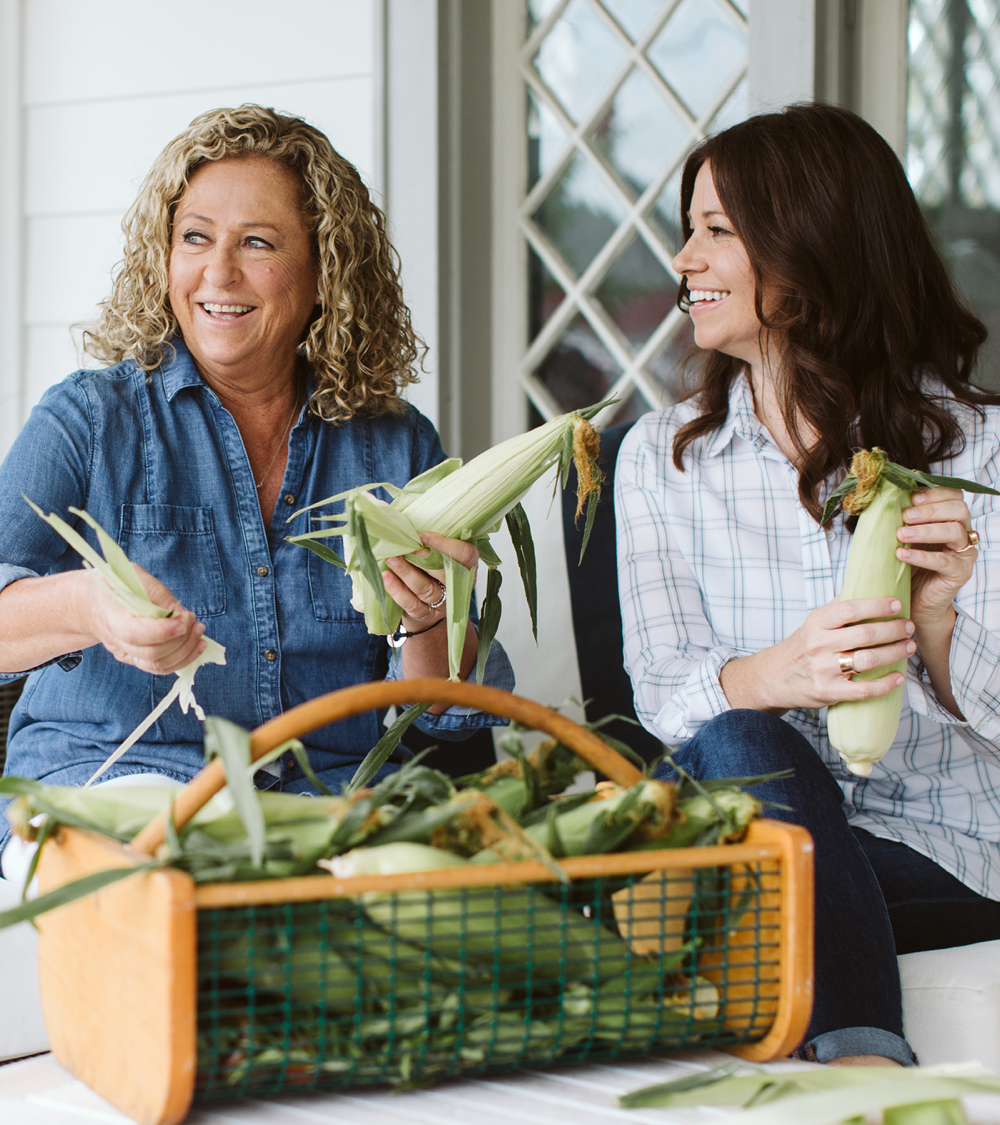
pixel 222 267
pixel 686 260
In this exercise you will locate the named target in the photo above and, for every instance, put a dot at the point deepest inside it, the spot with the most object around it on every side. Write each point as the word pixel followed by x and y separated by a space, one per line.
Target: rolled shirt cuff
pixel 859 1041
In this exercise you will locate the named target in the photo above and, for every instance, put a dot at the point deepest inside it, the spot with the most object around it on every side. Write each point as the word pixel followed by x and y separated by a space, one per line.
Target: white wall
pixel 103 85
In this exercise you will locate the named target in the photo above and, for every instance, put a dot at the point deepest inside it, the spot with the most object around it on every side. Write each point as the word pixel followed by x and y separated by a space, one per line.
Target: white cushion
pixel 951 1004
pixel 22 1030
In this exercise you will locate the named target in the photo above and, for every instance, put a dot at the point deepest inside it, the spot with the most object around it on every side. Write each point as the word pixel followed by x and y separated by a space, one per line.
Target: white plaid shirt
pixel 721 561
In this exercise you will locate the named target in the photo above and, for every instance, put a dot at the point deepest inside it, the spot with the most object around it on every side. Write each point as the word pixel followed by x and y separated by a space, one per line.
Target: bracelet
pixel 399 638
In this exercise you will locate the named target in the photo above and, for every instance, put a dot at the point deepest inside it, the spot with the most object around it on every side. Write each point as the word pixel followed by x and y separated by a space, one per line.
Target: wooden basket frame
pixel 118 969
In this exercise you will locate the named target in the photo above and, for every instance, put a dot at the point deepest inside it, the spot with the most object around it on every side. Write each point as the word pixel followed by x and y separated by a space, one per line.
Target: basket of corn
pixel 414 930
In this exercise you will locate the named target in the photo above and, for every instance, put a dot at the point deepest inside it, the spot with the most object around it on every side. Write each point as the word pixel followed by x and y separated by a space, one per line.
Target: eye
pixel 720 230
pixel 255 242
pixel 194 238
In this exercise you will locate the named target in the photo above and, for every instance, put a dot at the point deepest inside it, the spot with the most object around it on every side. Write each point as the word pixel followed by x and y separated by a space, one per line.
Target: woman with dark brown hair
pixel 826 322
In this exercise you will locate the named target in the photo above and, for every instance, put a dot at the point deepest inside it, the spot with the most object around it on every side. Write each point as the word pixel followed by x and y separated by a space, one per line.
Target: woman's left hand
pixel 420 593
pixel 934 536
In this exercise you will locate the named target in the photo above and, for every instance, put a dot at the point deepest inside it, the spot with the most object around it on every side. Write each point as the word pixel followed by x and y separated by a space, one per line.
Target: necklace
pixel 281 442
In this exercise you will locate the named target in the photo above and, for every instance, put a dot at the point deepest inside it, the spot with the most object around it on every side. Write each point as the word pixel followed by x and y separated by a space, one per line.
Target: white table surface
pixel 37 1091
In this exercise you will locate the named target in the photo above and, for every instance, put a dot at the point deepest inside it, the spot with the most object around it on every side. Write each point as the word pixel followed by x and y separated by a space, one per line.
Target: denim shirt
pixel 159 462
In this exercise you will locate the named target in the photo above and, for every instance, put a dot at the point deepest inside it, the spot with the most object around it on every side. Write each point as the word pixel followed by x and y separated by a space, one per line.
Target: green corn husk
pixel 598 826
pixel 521 784
pixel 122 583
pixel 480 926
pixel 878 492
pixel 827 1095
pixel 460 502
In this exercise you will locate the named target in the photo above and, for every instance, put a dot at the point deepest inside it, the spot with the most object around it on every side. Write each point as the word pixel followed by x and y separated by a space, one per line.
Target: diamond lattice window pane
pixel 538 10
pixel 698 50
pixel 545 294
pixel 666 213
pixel 637 292
pixel 578 58
pixel 547 139
pixel 640 133
pixel 580 213
pixel 634 15
pixel 667 369
pixel 579 370
pixel 735 109
pixel 631 410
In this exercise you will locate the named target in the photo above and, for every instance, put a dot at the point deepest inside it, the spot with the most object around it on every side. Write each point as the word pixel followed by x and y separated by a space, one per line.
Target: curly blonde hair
pixel 360 344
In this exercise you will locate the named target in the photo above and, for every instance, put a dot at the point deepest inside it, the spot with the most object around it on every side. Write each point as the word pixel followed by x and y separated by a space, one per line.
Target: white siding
pixel 104 85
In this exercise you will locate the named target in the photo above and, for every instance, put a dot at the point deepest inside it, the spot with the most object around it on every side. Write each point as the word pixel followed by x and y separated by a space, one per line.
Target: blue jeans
pixel 858 1003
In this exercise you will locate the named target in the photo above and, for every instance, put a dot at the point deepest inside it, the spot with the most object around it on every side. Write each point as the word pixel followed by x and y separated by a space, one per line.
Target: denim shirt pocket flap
pixel 177 545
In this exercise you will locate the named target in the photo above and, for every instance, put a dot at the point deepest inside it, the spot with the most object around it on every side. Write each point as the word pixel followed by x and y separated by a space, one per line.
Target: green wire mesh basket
pixel 323 982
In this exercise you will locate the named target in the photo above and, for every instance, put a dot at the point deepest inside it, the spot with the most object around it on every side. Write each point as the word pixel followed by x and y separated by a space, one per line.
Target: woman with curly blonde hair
pixel 258 343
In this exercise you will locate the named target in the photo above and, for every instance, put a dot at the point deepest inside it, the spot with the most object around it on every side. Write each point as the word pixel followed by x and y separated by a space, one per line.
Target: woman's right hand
pixel 155 645
pixel 804 669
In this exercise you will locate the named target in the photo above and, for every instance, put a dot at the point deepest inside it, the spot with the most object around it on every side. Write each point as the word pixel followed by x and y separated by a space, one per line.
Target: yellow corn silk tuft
pixel 586 453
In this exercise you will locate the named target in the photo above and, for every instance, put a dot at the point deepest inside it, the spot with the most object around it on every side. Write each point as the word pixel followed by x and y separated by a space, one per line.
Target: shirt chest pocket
pixel 329 586
pixel 178 546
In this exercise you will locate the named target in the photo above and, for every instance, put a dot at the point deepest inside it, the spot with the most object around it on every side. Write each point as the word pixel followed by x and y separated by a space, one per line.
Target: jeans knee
pixel 742 742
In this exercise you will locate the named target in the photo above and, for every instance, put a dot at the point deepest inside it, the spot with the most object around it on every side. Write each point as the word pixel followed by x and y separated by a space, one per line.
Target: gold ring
pixel 846 662
pixel 973 541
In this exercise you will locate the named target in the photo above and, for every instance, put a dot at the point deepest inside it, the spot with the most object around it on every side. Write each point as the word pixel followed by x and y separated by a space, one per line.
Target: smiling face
pixel 719 278
pixel 242 274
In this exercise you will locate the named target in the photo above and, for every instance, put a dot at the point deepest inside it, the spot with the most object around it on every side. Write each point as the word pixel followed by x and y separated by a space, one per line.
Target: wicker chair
pixel 9 695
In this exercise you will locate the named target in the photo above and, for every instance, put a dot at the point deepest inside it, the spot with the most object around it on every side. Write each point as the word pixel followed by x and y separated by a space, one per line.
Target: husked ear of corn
pixel 460 502
pixel 878 492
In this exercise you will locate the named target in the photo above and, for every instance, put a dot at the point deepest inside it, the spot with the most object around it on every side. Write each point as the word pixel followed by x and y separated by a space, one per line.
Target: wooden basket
pixel 121 970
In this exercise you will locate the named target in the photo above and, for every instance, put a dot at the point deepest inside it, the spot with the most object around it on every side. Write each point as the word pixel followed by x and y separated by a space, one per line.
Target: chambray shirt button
pixel 830 536
pixel 263 571
pixel 270 655
pixel 289 763
pixel 289 499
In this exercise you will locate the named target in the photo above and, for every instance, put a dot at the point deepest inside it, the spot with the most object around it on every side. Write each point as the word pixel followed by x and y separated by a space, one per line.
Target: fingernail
pixel 919 498
pixel 902 553
pixel 910 627
pixel 911 647
pixel 895 605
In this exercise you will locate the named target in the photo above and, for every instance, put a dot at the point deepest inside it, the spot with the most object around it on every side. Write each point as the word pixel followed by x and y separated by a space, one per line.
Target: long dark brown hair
pixel 860 305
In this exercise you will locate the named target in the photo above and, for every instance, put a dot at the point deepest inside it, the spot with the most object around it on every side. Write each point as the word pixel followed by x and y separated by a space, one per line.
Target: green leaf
pixel 489 620
pixel 486 553
pixel 376 758
pixel 588 526
pixel 956 482
pixel 324 552
pixel 926 1113
pixel 69 892
pixel 231 743
pixel 848 484
pixel 524 549
pixel 366 559
pixel 459 582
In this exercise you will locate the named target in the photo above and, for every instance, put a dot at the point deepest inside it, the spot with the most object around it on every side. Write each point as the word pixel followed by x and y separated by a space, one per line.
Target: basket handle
pixel 341 704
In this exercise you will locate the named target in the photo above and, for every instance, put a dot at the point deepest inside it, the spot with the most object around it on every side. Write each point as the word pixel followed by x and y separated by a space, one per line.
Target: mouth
pixel 703 298
pixel 225 312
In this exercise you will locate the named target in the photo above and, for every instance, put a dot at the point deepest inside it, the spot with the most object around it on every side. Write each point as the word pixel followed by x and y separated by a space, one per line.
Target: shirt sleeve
pixel 671 653
pixel 49 464
pixel 974 659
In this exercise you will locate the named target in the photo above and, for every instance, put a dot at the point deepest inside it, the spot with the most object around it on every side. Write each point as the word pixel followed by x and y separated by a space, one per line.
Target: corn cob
pixel 878 492
pixel 460 502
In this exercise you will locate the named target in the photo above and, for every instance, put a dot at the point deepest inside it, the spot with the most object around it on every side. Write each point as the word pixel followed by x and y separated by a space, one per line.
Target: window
pixel 953 147
pixel 617 93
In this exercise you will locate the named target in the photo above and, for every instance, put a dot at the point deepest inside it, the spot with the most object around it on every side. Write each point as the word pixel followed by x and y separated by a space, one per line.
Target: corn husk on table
pixel 324 981
pixel 878 492
pixel 457 501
